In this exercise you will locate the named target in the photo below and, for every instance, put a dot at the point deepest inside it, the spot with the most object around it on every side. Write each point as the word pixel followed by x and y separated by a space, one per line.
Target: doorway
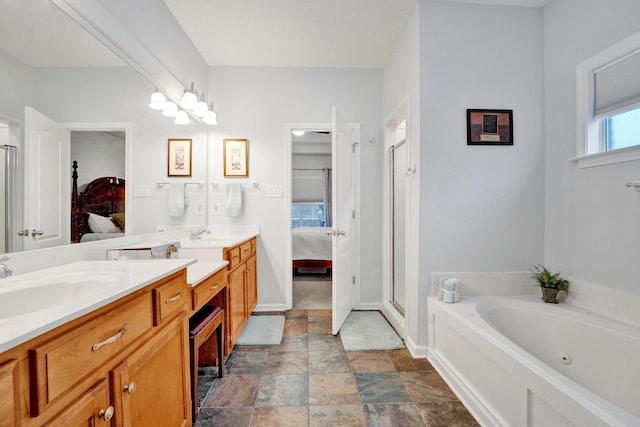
pixel 311 222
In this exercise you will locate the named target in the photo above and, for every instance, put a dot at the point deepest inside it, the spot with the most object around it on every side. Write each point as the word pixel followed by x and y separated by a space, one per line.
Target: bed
pixel 97 212
pixel 311 249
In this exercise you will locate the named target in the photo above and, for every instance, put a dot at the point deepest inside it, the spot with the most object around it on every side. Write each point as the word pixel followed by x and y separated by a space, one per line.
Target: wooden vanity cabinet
pixel 9 387
pixel 242 289
pixel 91 409
pixel 125 364
pixel 150 387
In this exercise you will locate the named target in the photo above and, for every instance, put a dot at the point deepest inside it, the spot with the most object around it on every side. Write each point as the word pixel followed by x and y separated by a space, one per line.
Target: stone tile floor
pixel 310 380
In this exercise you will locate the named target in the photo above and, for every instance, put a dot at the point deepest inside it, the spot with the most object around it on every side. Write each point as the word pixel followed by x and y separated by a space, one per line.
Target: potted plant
pixel 550 283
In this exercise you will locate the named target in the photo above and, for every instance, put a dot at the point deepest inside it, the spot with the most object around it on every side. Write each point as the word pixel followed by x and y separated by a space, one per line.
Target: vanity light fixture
pixel 158 101
pixel 210 118
pixel 298 132
pixel 189 98
pixel 170 109
pixel 202 108
pixel 182 118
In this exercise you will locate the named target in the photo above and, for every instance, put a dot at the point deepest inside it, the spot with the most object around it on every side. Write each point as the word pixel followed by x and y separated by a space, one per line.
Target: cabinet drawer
pixel 209 287
pixel 245 251
pixel 57 365
pixel 170 298
pixel 233 256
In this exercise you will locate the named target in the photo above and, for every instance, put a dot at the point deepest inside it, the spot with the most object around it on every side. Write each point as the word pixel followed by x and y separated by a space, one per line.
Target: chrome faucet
pixel 195 235
pixel 5 270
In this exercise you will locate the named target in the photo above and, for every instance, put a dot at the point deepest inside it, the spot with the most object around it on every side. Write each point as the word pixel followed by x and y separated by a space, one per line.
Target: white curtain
pixel 327 197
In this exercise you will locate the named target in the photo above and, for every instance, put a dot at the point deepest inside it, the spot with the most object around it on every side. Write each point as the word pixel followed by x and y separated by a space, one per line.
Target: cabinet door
pixel 8 390
pixel 237 303
pixel 89 410
pixel 252 285
pixel 151 387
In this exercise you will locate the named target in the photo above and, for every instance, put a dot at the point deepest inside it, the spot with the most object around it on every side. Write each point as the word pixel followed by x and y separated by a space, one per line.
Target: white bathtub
pixel 516 361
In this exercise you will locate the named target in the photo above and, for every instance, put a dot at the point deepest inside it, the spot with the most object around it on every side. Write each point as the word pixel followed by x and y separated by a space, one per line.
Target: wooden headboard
pixel 103 196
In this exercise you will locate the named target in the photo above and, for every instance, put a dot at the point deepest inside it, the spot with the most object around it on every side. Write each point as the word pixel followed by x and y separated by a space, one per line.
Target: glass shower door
pixel 399 224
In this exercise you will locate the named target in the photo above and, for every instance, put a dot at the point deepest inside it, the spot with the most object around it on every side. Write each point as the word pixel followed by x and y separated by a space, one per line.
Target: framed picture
pixel 179 158
pixel 489 127
pixel 236 157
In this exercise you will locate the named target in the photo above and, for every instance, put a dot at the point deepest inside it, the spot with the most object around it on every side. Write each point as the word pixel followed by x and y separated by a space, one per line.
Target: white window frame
pixel 590 132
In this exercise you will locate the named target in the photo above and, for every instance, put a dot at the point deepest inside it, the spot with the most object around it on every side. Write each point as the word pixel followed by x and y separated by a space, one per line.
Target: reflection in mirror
pixel 51 64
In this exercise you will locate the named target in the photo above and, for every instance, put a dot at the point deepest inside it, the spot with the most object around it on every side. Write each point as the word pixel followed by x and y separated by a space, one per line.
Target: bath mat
pixel 368 330
pixel 262 330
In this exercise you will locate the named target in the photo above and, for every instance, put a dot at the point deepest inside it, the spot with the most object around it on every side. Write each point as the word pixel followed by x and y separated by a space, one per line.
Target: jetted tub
pixel 516 361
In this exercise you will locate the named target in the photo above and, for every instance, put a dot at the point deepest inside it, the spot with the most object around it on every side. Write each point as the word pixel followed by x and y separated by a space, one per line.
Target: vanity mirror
pixel 56 77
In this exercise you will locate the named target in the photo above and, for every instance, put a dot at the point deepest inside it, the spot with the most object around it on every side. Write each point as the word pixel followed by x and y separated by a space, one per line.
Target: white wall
pixel 255 103
pixel 482 207
pixel 98 154
pixel 16 87
pixel 592 227
pixel 401 86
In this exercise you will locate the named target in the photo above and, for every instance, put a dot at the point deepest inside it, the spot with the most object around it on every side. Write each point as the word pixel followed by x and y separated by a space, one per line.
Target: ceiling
pixel 302 33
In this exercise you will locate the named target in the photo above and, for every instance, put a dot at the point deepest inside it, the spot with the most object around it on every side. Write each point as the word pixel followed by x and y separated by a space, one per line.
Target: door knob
pixel 35 232
pixel 341 233
pixel 23 233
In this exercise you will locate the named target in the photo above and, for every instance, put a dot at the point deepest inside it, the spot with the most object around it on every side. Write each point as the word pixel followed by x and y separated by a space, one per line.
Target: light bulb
pixel 158 101
pixel 170 109
pixel 182 118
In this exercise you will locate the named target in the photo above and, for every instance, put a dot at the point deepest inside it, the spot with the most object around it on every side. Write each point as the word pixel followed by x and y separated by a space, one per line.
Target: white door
pixel 342 146
pixel 47 198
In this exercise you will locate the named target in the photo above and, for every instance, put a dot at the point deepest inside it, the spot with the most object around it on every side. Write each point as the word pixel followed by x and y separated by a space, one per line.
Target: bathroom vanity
pixel 124 363
pixel 94 343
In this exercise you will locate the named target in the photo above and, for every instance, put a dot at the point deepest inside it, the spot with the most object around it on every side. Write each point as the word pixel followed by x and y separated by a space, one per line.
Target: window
pixel 308 215
pixel 609 105
pixel 622 130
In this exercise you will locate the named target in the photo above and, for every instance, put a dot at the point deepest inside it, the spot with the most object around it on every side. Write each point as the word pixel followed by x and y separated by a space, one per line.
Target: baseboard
pixel 269 307
pixel 369 306
pixel 417 351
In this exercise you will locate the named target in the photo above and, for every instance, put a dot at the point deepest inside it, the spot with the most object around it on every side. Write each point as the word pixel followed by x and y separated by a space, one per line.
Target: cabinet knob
pixel 129 388
pixel 106 414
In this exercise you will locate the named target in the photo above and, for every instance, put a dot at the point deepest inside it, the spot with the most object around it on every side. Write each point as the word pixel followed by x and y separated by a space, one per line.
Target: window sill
pixel 607 158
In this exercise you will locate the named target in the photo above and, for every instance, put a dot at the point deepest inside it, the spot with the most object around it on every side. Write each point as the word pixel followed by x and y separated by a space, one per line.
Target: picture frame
pixel 179 157
pixel 236 158
pixel 489 127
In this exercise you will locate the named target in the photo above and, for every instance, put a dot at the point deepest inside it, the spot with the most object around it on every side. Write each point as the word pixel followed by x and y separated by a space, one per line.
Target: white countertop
pixel 199 271
pixel 71 284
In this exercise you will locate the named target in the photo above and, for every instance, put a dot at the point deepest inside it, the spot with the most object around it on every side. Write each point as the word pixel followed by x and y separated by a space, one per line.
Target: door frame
pixel 128 158
pixel 288 150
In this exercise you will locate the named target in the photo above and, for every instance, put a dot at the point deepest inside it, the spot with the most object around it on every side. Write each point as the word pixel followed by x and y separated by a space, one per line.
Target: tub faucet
pixel 195 235
pixel 5 270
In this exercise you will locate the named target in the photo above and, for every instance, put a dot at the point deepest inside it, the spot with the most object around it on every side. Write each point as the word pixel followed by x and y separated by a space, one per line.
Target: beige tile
pixel 287 363
pixel 370 361
pixel 333 389
pixel 280 416
pixel 445 413
pixel 295 326
pixel 337 415
pixel 403 361
pixel 425 386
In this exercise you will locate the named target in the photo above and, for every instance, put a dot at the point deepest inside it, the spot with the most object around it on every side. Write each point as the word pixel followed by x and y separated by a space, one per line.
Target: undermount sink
pixel 29 295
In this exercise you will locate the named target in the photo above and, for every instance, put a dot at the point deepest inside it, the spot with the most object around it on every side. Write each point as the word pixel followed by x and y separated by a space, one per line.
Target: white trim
pixel 262 308
pixel 608 157
pixel 128 157
pixel 369 306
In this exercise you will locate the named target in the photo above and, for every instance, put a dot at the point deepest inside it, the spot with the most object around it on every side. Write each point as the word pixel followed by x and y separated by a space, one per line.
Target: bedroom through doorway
pixel 311 222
